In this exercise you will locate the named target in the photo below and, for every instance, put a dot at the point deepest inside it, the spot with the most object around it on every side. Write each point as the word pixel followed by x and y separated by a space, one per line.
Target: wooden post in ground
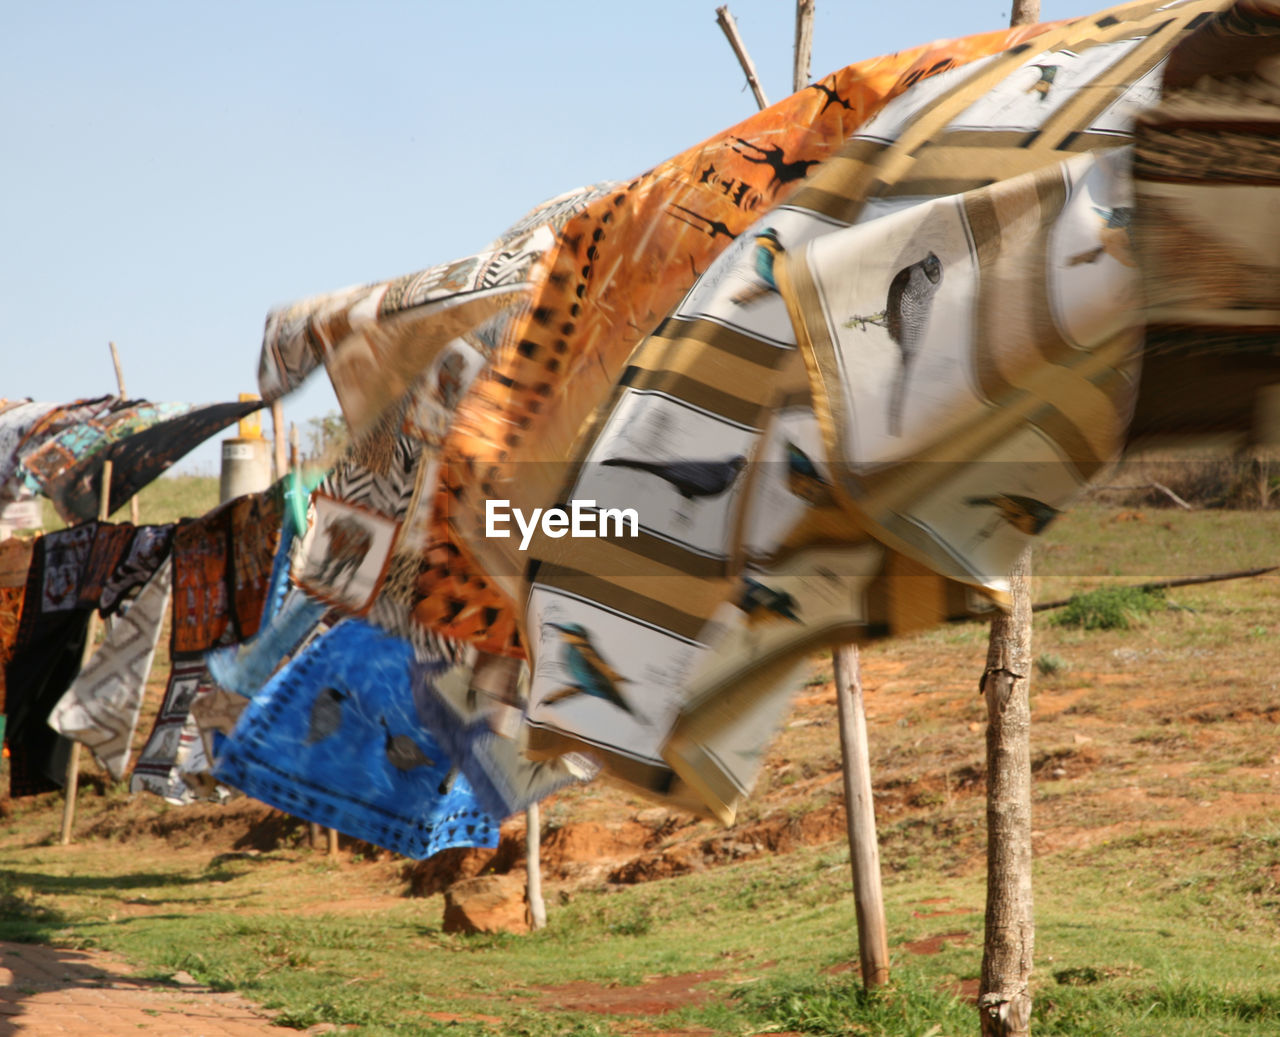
pixel 804 44
pixel 72 779
pixel 533 859
pixel 1004 992
pixel 295 454
pixel 333 841
pixel 281 458
pixel 115 360
pixel 1004 997
pixel 730 29
pixel 864 851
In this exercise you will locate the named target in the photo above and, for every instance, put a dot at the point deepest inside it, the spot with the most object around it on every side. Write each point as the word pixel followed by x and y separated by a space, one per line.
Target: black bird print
pixel 1025 514
pixel 772 155
pixel 591 674
pixel 911 295
pixel 690 479
pixel 761 602
pixel 403 752
pixel 713 228
pixel 326 715
pixel 767 249
pixel 804 479
pixel 832 96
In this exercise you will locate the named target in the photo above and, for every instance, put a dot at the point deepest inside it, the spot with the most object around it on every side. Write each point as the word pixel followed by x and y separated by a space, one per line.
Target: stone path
pixel 48 991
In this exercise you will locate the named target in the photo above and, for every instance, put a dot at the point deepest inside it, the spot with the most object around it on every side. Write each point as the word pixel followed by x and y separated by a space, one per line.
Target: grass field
pixel 164 500
pixel 1156 822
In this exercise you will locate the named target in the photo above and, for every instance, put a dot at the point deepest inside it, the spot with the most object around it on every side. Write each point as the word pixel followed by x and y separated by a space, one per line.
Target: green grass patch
pixel 1140 936
pixel 166 499
pixel 1109 608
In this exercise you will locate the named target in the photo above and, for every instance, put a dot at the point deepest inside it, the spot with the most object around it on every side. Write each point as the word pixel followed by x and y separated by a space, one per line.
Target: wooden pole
pixel 730 28
pixel 1004 997
pixel 333 841
pixel 864 851
pixel 72 778
pixel 115 361
pixel 1004 991
pixel 804 44
pixel 295 455
pixel 533 859
pixel 277 439
pixel 1025 12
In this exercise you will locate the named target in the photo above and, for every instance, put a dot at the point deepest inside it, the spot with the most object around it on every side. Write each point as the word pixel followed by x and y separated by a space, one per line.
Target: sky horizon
pixel 176 171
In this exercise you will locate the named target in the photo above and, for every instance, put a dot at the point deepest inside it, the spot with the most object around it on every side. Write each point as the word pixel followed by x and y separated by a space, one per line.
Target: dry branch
pixel 1155 585
pixel 730 27
pixel 804 44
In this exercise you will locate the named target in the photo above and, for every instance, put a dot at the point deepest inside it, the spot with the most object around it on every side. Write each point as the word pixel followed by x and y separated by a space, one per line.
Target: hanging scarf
pixel 333 739
pixel 811 458
pixel 100 709
pixel 46 657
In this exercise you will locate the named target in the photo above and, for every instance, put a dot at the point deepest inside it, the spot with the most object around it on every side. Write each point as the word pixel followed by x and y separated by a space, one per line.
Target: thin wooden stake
pixel 1009 929
pixel 72 779
pixel 333 841
pixel 277 439
pixel 115 360
pixel 124 393
pixel 1004 1000
pixel 804 44
pixel 295 455
pixel 730 28
pixel 533 859
pixel 864 851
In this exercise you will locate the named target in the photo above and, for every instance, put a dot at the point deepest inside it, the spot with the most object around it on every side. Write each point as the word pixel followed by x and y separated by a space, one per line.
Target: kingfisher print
pixel 591 674
pixel 768 248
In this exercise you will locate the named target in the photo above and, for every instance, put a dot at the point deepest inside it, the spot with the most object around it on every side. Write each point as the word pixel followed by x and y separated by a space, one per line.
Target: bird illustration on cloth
pixel 1042 85
pixel 690 479
pixel 905 316
pixel 1025 514
pixel 326 715
pixel 767 249
pixel 591 674
pixel 804 479
pixel 693 480
pixel 761 603
pixel 907 311
pixel 1113 238
pixel 403 752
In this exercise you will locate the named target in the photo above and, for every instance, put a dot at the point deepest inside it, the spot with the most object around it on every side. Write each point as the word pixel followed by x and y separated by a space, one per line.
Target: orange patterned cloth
pixel 616 270
pixel 10 618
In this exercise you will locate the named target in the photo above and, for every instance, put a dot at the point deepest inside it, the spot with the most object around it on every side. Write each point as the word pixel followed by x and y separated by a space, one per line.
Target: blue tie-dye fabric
pixel 333 738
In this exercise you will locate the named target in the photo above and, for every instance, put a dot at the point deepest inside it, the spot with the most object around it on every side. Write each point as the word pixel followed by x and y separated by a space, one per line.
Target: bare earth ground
pixel 50 990
pixel 1169 727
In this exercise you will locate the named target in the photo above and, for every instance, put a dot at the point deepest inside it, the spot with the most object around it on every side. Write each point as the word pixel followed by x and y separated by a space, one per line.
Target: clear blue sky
pixel 172 170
